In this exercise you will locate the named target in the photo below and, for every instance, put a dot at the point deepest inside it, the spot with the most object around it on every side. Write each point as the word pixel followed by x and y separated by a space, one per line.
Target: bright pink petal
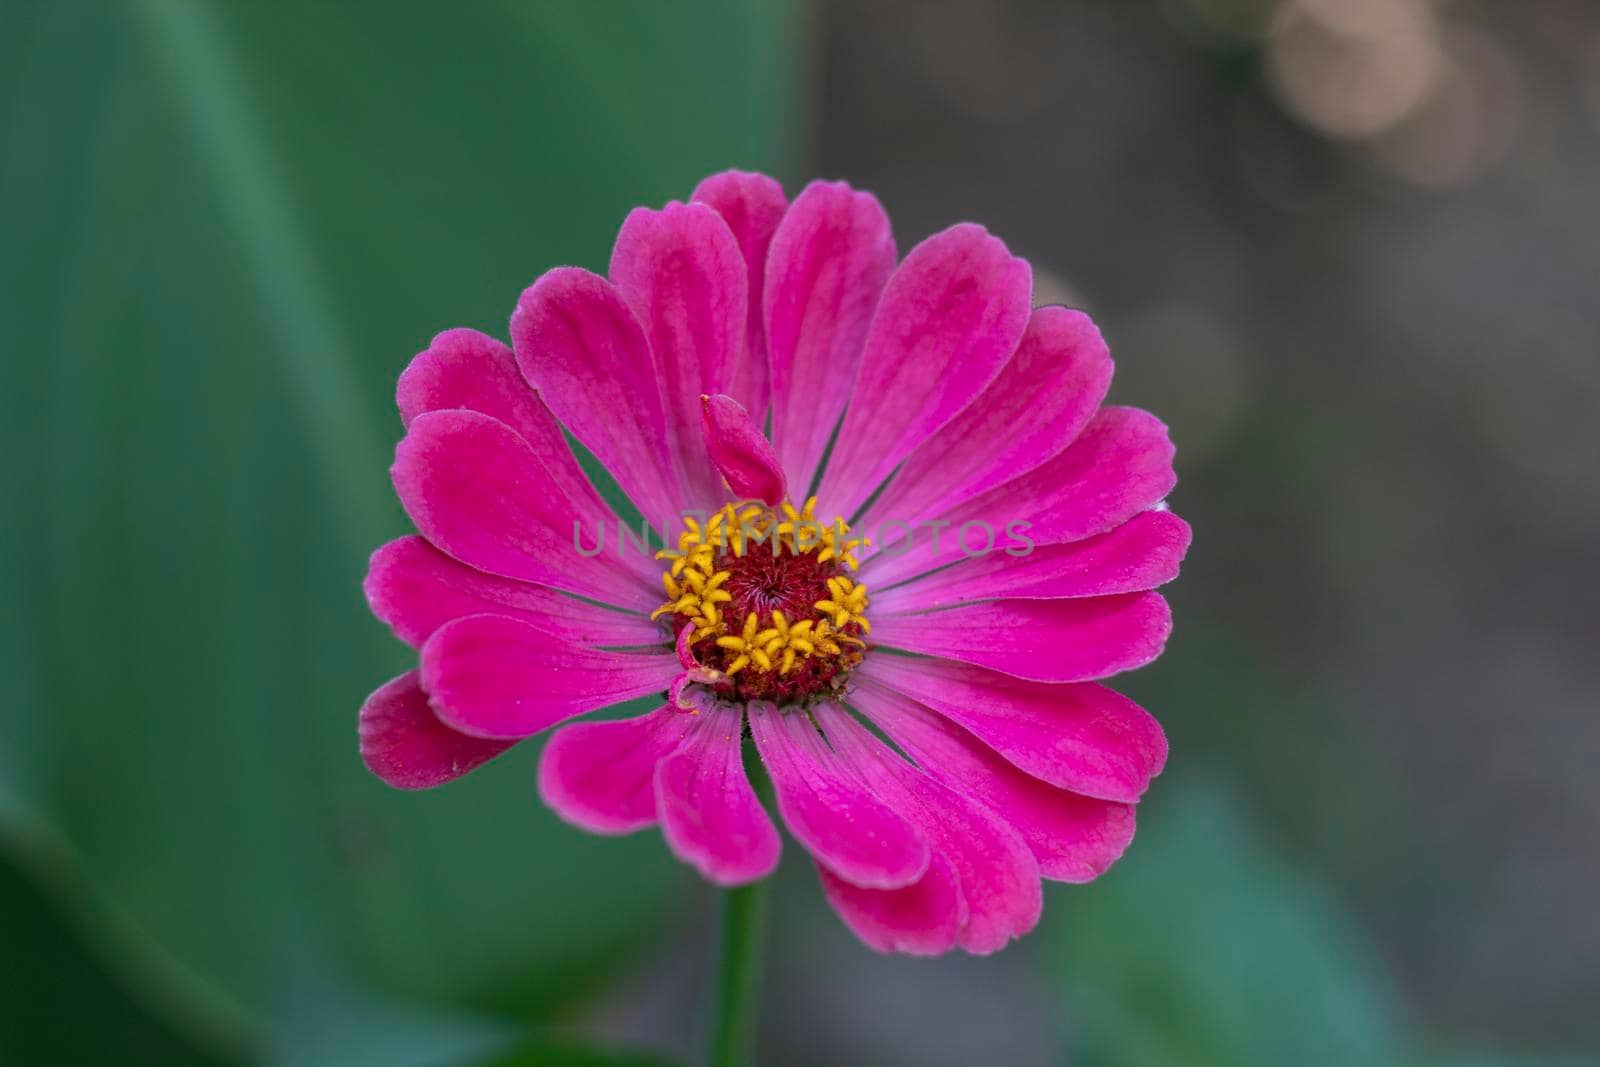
pixel 923 919
pixel 1083 737
pixel 710 816
pixel 416 589
pixel 752 205
pixel 600 776
pixel 495 676
pixel 681 272
pixel 949 319
pixel 741 452
pixel 1141 554
pixel 1119 466
pixel 829 812
pixel 1075 838
pixel 829 260
pixel 578 342
pixel 1043 398
pixel 476 490
pixel 404 743
pixel 998 875
pixel 1043 640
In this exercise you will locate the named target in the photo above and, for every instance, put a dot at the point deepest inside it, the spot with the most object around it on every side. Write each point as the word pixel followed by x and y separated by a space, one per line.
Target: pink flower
pixel 976 652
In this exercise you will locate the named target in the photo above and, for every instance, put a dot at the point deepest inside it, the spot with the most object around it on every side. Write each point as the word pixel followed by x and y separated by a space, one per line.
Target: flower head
pixel 905 593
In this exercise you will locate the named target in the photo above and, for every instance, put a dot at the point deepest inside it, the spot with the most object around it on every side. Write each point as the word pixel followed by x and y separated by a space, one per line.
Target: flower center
pixel 769 599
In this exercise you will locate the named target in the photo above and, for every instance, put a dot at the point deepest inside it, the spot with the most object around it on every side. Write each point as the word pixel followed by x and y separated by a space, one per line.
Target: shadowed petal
pixel 1075 838
pixel 829 812
pixel 710 816
pixel 404 743
pixel 600 776
pixel 922 919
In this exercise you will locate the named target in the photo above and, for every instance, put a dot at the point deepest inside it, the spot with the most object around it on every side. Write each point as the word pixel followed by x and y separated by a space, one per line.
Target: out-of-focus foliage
pixel 226 229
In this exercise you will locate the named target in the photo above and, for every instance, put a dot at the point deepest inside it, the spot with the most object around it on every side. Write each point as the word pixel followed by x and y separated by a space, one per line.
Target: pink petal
pixel 829 260
pixel 922 919
pixel 1043 640
pixel 843 827
pixel 998 875
pixel 752 205
pixel 681 272
pixel 1081 737
pixel 741 452
pixel 467 369
pixel 949 319
pixel 578 342
pixel 416 589
pixel 1043 398
pixel 600 776
pixel 1119 466
pixel 710 816
pixel 494 676
pixel 404 743
pixel 477 491
pixel 1142 553
pixel 1075 838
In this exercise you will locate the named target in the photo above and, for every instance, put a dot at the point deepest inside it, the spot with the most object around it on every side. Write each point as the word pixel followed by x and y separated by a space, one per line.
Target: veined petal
pixel 577 341
pixel 921 919
pixel 681 272
pixel 1042 399
pixel 710 815
pixel 495 676
pixel 475 490
pixel 416 589
pixel 998 875
pixel 600 776
pixel 950 317
pixel 1042 640
pixel 743 455
pixel 830 258
pixel 404 743
pixel 1119 466
pixel 1075 838
pixel 1078 736
pixel 752 205
pixel 1141 554
pixel 829 812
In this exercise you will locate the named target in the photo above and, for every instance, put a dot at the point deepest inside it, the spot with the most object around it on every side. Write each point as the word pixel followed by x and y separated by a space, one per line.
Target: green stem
pixel 744 913
pixel 744 943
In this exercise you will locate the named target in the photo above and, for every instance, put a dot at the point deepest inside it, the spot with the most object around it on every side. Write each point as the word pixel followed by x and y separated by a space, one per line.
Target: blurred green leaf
pixel 1201 949
pixel 227 229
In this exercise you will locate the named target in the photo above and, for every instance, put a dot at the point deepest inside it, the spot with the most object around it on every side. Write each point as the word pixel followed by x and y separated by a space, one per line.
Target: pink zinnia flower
pixel 926 395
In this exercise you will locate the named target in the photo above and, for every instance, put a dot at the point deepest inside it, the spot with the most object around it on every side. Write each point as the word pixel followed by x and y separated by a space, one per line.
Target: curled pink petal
pixel 710 815
pixel 830 258
pixel 1078 736
pixel 600 776
pixel 1043 640
pixel 1075 838
pixel 740 450
pixel 752 205
pixel 416 589
pixel 495 676
pixel 838 821
pixel 921 919
pixel 404 743
pixel 948 320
